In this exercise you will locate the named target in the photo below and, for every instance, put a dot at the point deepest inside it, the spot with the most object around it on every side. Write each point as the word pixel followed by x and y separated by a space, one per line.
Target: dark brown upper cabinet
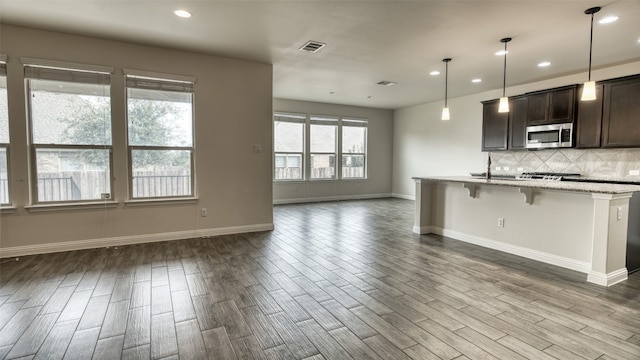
pixel 518 121
pixel 610 121
pixel 495 127
pixel 589 120
pixel 621 113
pixel 551 106
pixel 537 108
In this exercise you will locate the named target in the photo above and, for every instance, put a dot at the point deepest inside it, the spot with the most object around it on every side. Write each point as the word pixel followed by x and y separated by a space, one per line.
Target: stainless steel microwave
pixel 550 136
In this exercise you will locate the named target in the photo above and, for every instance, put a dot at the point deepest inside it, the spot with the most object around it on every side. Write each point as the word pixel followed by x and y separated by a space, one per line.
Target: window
pixel 289 161
pixel 354 148
pixel 323 132
pixel 70 134
pixel 160 137
pixel 5 199
pixel 328 138
pixel 288 145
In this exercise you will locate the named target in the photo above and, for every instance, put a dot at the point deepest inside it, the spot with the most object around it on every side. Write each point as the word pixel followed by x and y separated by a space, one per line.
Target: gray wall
pixel 380 137
pixel 233 111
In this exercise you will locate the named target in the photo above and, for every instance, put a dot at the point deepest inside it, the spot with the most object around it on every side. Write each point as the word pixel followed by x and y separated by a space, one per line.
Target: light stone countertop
pixel 585 187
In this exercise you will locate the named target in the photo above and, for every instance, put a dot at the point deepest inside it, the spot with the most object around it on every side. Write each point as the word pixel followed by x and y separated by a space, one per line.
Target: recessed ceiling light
pixel 608 19
pixel 501 53
pixel 477 80
pixel 434 73
pixel 182 13
pixel 544 64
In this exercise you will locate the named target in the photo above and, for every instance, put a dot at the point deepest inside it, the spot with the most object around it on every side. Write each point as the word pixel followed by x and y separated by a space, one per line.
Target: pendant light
pixel 445 109
pixel 589 89
pixel 503 107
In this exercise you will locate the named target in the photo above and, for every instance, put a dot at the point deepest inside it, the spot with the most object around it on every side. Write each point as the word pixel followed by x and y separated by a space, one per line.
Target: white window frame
pixel 360 123
pixel 174 83
pixel 37 69
pixel 339 122
pixel 5 146
pixel 295 119
pixel 324 120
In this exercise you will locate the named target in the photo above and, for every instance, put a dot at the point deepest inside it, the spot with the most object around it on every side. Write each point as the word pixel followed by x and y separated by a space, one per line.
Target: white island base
pixel 578 226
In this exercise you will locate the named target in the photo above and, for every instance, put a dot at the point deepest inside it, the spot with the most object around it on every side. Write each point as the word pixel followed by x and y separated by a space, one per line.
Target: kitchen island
pixel 576 225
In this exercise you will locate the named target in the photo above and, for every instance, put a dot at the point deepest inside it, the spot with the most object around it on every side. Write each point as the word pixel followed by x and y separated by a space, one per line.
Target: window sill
pixel 317 180
pixel 71 206
pixel 296 181
pixel 160 202
pixel 7 210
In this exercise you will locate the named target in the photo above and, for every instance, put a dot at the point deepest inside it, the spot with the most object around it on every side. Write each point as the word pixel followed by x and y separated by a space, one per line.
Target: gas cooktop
pixel 545 176
pixel 548 176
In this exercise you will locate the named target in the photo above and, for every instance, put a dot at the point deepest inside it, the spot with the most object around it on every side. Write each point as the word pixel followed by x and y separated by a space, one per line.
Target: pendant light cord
pixel 590 46
pixel 446 82
pixel 504 74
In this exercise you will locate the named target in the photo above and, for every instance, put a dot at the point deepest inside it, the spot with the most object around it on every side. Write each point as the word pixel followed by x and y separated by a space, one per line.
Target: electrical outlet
pixel 634 172
pixel 105 196
pixel 619 213
pixel 203 212
pixel 501 222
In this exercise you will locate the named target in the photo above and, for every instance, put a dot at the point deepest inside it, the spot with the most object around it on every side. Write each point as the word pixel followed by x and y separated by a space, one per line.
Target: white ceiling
pixel 367 41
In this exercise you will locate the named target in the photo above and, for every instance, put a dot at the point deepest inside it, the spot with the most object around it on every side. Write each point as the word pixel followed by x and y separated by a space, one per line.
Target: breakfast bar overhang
pixel 575 225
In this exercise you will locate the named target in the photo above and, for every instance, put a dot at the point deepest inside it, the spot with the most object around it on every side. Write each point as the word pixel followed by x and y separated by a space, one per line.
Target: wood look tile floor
pixel 333 281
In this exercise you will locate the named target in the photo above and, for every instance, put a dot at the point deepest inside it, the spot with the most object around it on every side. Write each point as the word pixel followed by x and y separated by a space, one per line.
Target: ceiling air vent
pixel 312 46
pixel 386 83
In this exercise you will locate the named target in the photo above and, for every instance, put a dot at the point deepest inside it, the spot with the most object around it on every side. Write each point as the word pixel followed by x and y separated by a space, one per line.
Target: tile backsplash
pixel 595 163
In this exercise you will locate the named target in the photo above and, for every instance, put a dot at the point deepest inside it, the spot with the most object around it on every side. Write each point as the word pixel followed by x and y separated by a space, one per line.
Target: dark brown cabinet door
pixel 537 108
pixel 562 102
pixel 552 106
pixel 589 120
pixel 621 113
pixel 495 127
pixel 518 122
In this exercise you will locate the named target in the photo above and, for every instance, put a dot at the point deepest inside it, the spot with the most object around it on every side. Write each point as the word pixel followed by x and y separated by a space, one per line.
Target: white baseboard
pixel 329 198
pixel 18 251
pixel 403 196
pixel 567 263
pixel 609 279
pixel 423 230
